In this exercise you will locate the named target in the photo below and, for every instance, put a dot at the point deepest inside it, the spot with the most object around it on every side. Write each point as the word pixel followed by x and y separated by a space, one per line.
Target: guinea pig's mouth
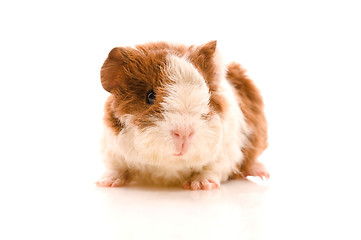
pixel 178 154
pixel 182 142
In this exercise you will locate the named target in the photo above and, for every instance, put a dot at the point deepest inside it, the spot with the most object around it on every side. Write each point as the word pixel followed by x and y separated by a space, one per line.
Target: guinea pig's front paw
pixel 201 184
pixel 113 180
pixel 110 182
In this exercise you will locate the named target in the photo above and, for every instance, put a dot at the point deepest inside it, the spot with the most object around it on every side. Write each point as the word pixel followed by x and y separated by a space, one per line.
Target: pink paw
pixel 203 184
pixel 110 182
pixel 258 170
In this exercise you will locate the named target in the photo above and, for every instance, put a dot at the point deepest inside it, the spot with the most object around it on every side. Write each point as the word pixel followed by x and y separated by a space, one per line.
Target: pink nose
pixel 182 139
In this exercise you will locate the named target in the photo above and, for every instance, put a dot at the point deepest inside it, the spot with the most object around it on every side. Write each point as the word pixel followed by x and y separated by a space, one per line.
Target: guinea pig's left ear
pixel 203 55
pixel 207 50
pixel 205 58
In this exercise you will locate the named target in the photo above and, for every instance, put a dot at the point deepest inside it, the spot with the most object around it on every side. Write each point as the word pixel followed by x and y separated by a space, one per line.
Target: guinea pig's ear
pixel 203 55
pixel 119 54
pixel 208 49
pixel 206 58
pixel 110 73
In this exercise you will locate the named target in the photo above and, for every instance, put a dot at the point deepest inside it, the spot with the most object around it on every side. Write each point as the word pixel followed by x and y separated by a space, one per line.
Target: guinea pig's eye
pixel 151 97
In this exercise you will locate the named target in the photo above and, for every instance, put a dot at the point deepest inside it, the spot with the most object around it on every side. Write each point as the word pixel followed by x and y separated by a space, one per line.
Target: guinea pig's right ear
pixel 110 73
pixel 119 54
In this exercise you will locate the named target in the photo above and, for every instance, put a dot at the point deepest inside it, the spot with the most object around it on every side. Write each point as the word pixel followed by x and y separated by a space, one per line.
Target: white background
pixel 305 56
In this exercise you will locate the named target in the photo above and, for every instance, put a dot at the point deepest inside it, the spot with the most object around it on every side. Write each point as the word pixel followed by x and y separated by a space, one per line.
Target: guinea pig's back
pixel 251 104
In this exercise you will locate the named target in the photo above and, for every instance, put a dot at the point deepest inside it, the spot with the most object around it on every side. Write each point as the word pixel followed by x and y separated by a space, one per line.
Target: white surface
pixel 305 57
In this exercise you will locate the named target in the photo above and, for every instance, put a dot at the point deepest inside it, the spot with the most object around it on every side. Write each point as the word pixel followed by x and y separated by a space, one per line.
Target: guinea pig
pixel 176 116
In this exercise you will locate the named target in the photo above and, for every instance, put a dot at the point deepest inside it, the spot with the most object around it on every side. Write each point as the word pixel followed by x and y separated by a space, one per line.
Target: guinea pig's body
pixel 175 116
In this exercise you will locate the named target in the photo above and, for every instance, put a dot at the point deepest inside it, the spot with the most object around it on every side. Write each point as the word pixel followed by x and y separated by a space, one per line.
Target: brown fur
pixel 203 60
pixel 130 73
pixel 109 116
pixel 251 104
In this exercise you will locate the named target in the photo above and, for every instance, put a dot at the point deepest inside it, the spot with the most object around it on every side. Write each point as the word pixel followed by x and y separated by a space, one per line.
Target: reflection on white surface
pixel 143 212
pixel 239 210
pixel 178 214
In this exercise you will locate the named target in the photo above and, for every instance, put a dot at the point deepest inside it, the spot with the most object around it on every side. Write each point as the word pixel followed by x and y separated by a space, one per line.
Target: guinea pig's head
pixel 165 97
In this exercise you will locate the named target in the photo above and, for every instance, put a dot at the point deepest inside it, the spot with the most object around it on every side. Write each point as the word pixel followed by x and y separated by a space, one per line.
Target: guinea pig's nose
pixel 182 138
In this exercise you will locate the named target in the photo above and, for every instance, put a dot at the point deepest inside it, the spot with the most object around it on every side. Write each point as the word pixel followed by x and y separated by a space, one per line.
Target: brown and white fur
pixel 205 126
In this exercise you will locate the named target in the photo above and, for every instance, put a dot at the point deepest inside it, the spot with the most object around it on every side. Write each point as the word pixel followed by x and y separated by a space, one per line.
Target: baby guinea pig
pixel 177 116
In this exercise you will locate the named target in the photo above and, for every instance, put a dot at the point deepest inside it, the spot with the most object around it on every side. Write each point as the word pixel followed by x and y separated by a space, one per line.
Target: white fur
pixel 216 145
